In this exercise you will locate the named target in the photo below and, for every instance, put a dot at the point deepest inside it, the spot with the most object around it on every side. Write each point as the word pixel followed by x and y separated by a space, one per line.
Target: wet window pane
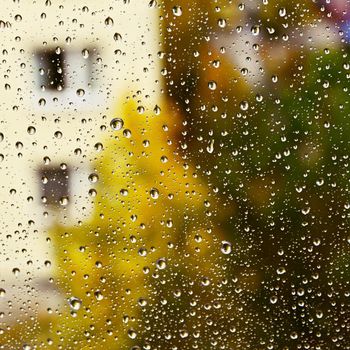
pixel 174 174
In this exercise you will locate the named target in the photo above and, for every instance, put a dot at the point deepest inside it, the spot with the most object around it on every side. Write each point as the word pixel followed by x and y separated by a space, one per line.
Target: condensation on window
pixel 174 174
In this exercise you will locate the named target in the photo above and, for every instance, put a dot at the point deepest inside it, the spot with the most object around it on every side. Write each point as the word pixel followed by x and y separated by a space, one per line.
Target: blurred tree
pixel 152 215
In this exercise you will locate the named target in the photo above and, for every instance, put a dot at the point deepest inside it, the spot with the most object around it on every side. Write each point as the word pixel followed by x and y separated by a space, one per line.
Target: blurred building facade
pixel 65 66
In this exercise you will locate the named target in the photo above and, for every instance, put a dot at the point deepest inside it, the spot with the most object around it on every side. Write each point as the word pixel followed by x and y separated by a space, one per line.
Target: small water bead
pixel 117 37
pixel 116 124
pixel 183 333
pixel 26 347
pixel 142 252
pixel 222 22
pixel 281 271
pixel 152 4
pixel 154 193
pixel 92 192
pixel 31 130
pixel 2 292
pixel 177 11
pixel 244 105
pixel 75 303
pixel 161 264
pixel 85 53
pixel 98 295
pixel 273 299
pixel 80 92
pixel 64 201
pixel 58 134
pixel 316 242
pixel 294 335
pixel 226 247
pixel 93 178
pixel 127 133
pixel 124 192
pixel 212 85
pixel 109 22
pixel 259 98
pixel 141 109
pixel 142 302
pixel 205 281
pixel 210 147
pixel 16 271
pixel 319 314
pixel 42 102
pixel 98 147
pixel 255 30
pixel 216 63
pixel 282 12
pixel 132 334
pixel 1 136
pixel 157 110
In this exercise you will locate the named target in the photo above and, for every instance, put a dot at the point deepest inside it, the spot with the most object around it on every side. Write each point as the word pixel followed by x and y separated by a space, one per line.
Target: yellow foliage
pixel 151 212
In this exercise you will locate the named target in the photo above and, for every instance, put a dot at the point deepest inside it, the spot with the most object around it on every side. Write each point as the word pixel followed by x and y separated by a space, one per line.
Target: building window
pixel 51 69
pixel 54 185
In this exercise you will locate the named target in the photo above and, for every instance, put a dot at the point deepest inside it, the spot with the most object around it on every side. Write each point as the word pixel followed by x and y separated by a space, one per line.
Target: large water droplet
pixel 75 303
pixel 177 11
pixel 117 124
pixel 161 263
pixel 226 247
pixel 109 22
pixel 154 193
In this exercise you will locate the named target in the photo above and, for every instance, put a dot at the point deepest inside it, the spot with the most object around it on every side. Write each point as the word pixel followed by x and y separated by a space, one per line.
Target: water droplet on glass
pixel 255 30
pixel 117 124
pixel 80 92
pixel 281 271
pixel 244 105
pixel 132 334
pixel 210 147
pixel 117 37
pixel 16 271
pixel 64 201
pixel 93 178
pixel 152 3
pixel 154 193
pixel 31 130
pixel 282 11
pixel 226 247
pixel 161 263
pixel 212 85
pixel 85 53
pixel 109 22
pixel 222 23
pixel 42 102
pixel 75 303
pixel 98 295
pixel 177 11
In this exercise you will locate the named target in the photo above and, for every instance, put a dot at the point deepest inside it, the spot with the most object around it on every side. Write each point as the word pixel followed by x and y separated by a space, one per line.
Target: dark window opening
pixel 54 185
pixel 51 69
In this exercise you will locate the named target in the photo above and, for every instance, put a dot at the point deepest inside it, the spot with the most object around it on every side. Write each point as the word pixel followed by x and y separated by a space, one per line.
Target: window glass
pixel 174 174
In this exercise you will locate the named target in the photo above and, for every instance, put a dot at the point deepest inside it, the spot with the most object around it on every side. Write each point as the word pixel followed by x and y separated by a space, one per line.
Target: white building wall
pixel 114 68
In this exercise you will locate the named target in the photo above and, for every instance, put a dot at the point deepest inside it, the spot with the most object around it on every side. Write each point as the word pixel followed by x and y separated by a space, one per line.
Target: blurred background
pixel 175 174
